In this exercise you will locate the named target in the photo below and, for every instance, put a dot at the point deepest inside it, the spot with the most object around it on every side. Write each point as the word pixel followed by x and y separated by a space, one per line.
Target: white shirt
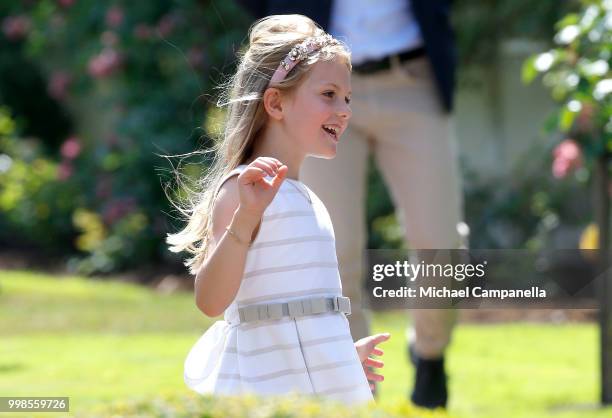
pixel 374 29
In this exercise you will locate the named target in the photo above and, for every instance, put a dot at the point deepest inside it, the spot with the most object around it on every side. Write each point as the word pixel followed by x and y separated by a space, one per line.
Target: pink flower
pixel 58 85
pixel 117 209
pixel 114 17
pixel 105 63
pixel 567 156
pixel 65 3
pixel 166 25
pixel 65 170
pixel 143 31
pixel 16 27
pixel 71 148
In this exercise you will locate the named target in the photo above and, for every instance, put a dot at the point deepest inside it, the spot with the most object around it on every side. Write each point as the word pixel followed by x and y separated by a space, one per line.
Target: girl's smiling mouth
pixel 332 130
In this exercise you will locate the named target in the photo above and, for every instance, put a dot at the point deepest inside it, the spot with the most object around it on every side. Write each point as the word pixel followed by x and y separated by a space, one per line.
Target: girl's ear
pixel 272 102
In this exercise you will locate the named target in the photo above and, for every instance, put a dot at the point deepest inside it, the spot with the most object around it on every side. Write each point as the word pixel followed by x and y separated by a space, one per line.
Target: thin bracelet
pixel 236 237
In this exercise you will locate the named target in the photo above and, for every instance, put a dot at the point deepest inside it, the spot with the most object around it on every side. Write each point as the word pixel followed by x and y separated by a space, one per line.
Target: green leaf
pixel 570 19
pixel 529 72
pixel 551 122
pixel 566 119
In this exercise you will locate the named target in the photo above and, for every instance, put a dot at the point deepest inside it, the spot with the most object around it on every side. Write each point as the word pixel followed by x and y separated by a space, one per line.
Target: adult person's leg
pixel 341 184
pixel 417 155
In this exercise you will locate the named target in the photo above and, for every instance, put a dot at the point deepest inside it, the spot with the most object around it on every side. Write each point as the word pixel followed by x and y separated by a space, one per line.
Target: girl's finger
pixel 373 340
pixel 257 177
pixel 374 363
pixel 252 174
pixel 280 176
pixel 379 338
pixel 375 377
pixel 266 166
pixel 376 337
pixel 262 163
pixel 276 163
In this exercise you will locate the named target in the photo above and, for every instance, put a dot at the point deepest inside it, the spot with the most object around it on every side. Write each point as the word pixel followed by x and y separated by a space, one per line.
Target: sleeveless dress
pixel 293 257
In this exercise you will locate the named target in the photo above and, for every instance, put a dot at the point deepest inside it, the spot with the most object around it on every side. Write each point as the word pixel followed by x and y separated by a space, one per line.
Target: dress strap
pixel 228 176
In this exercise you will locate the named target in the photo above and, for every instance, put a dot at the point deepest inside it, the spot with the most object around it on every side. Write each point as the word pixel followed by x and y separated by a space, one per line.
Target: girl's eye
pixel 331 94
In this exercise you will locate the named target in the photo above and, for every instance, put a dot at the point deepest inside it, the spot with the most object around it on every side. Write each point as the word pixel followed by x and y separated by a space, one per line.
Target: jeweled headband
pixel 300 52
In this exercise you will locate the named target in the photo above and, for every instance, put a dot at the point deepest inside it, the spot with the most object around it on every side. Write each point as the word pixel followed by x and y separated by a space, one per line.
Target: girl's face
pixel 317 112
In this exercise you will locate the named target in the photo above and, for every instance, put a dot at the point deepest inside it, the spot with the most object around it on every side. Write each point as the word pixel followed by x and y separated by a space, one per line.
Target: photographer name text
pixel 466 292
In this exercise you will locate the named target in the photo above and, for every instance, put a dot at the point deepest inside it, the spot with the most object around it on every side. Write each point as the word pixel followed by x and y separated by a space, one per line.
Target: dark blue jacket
pixel 433 17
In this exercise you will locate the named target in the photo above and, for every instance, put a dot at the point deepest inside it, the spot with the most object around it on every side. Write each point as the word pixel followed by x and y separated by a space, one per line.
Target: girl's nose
pixel 345 111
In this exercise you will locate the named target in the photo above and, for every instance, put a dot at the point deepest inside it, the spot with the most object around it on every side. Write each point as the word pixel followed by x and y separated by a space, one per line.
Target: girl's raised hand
pixel 255 191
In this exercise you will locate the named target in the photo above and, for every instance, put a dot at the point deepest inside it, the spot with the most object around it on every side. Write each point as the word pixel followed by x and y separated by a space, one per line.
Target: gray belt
pixel 295 308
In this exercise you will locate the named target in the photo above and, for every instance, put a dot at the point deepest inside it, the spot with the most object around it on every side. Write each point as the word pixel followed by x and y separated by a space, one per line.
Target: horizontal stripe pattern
pixel 302 252
pixel 285 372
pixel 292 267
pixel 276 347
pixel 287 214
pixel 265 350
pixel 290 241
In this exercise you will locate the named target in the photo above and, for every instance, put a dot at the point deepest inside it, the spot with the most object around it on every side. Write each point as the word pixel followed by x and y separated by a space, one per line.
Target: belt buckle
pixel 344 304
pixel 336 304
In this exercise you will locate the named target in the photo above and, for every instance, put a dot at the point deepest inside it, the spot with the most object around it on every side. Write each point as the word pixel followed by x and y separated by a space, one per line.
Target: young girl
pixel 263 243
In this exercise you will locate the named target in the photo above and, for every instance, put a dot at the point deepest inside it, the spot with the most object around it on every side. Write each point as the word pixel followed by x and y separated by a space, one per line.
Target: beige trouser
pixel 397 115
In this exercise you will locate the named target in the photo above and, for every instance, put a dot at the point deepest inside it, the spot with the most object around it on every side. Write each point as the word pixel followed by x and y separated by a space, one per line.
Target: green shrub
pixel 135 81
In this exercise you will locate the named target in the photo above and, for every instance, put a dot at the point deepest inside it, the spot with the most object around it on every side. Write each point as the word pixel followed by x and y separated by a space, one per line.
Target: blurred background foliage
pixel 576 70
pixel 93 94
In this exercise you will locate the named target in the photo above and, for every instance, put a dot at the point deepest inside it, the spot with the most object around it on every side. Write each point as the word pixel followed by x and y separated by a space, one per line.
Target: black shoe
pixel 430 382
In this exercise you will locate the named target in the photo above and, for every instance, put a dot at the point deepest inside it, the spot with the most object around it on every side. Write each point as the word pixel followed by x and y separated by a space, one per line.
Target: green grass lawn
pixel 100 342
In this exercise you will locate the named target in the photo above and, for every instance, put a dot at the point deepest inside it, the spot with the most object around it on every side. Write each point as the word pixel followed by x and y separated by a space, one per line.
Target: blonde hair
pixel 270 40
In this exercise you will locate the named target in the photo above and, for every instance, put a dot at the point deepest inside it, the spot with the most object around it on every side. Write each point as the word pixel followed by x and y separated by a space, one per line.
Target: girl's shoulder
pixel 224 180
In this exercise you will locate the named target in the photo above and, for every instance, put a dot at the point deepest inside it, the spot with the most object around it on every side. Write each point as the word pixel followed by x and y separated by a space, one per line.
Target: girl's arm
pixel 240 205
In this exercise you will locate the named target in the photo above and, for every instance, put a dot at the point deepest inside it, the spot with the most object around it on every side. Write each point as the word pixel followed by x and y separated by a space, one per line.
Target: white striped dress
pixel 292 257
